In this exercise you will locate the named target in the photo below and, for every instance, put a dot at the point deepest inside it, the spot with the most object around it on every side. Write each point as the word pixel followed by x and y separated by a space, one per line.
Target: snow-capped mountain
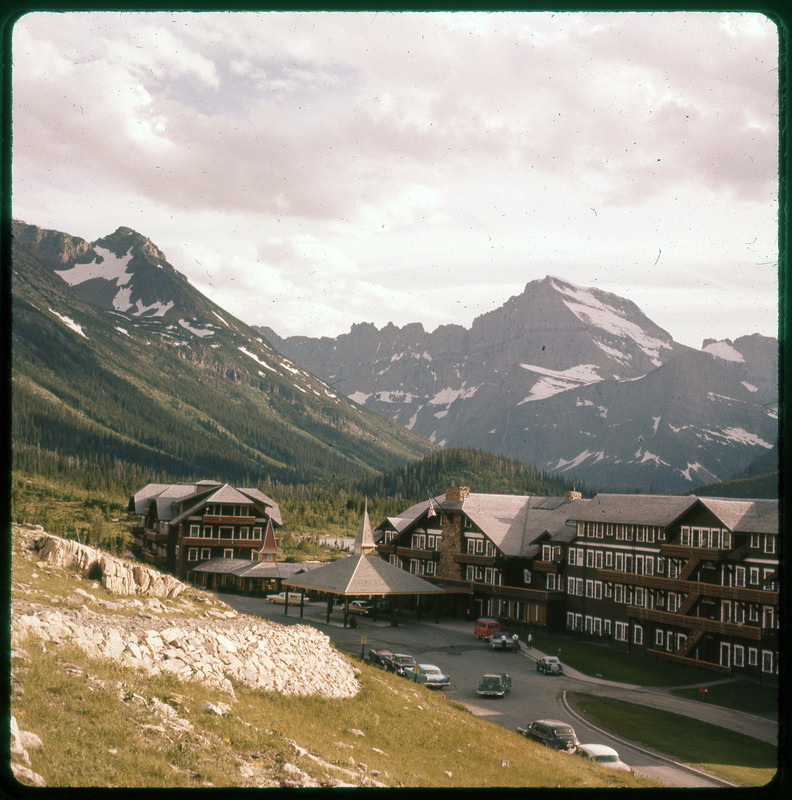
pixel 573 380
pixel 117 357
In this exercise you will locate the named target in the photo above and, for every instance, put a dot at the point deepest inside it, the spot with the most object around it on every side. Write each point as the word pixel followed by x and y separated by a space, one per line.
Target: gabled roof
pixel 513 523
pixel 641 509
pixel 242 567
pixel 363 575
pixel 744 516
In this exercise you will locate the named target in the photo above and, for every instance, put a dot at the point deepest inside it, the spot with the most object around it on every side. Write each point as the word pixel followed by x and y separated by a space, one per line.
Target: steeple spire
pixel 364 543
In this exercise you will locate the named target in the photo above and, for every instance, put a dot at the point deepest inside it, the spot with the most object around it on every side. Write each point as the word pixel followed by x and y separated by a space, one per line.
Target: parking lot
pixel 451 645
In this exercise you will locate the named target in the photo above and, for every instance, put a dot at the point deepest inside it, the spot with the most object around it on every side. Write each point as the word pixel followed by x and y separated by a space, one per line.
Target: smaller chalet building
pixel 183 526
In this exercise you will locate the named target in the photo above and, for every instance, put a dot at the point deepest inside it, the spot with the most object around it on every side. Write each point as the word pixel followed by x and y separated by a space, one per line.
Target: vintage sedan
pixel 549 665
pixel 380 657
pixel 295 598
pixel 502 640
pixel 360 607
pixel 494 684
pixel 552 733
pixel 428 674
pixel 603 755
pixel 398 662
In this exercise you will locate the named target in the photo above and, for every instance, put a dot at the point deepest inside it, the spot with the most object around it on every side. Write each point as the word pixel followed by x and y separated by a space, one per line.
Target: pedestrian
pixel 529 640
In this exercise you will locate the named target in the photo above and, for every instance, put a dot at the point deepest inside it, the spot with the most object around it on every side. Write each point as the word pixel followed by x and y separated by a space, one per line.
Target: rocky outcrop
pixel 116 575
pixel 21 742
pixel 297 659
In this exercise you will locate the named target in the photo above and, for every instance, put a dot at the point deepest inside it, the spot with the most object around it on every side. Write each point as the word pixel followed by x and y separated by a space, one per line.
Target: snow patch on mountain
pixel 564 465
pixel 256 359
pixel 359 397
pixel 111 267
pixel 749 386
pixel 691 468
pixel 656 421
pixel 448 395
pixel 70 323
pixel 724 350
pixel 742 436
pixel 587 308
pixel 555 381
pixel 200 332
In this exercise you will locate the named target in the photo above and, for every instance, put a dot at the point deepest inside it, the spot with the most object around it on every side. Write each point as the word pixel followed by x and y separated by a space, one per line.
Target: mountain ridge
pixel 547 379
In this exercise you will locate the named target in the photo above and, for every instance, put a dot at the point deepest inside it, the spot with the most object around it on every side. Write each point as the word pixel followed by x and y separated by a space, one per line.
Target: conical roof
pixel 364 542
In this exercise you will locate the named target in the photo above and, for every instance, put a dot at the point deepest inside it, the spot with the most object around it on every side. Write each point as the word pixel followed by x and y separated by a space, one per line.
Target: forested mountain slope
pixel 188 392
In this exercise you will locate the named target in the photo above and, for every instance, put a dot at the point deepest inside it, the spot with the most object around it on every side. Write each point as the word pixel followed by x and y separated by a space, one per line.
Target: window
pixel 598 590
pixel 684 536
pixel 206 552
pixel 660 565
pixel 589 558
pixel 767 661
pixel 649 565
pixel 226 533
pixel 658 637
pixel 244 533
pixel 672 602
pixel 638 635
pixel 770 543
pixel 640 596
pixel 526 576
pixel 572 557
pixel 620 562
pixel 607 627
pixel 608 590
pixel 739 577
pixel 619 593
pixel 228 552
pixel 551 582
pixel 753 576
pixel 207 532
pixel 589 588
pixel 598 559
pixel 621 631
pixel 753 656
pixel 755 540
pixel 609 559
pixel 570 620
pixel 739 655
pixel 195 531
pixel 192 553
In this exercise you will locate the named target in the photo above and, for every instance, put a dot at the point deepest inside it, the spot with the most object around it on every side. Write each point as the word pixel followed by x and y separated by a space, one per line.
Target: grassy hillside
pixel 102 724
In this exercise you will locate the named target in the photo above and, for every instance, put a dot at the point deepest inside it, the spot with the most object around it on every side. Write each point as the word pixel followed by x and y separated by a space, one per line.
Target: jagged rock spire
pixel 364 542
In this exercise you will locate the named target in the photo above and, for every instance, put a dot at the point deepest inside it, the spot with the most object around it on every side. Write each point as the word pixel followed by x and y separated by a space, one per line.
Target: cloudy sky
pixel 310 170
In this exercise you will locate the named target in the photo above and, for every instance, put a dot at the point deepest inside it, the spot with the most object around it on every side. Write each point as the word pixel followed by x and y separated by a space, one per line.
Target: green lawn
pixel 732 755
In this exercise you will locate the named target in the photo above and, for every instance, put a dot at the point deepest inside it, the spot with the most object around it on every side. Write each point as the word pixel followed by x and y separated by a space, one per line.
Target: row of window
pixel 224 532
pixel 730 655
pixel 626 533
pixel 228 510
pixel 205 553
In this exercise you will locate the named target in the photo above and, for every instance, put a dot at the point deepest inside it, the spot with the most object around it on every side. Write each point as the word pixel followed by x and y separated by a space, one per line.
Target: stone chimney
pixel 573 495
pixel 456 494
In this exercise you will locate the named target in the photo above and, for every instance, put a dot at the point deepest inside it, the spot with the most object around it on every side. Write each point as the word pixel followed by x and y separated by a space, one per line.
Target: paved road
pixel 451 645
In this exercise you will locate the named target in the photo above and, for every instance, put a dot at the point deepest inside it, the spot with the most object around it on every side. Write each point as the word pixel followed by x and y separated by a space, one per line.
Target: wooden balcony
pixel 153 559
pixel 155 536
pixel 386 549
pixel 711 590
pixel 715 554
pixel 477 560
pixel 696 623
pixel 414 552
pixel 196 541
pixel 689 662
pixel 545 566
pixel 215 519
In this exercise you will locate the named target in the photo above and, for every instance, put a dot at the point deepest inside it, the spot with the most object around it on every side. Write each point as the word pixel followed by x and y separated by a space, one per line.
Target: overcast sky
pixel 312 170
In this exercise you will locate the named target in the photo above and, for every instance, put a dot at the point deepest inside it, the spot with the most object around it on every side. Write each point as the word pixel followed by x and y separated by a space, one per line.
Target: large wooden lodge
pixel 689 579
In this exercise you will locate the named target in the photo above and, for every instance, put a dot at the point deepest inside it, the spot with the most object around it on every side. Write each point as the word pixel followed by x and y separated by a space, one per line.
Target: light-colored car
pixel 294 598
pixel 502 640
pixel 603 755
pixel 549 665
pixel 360 607
pixel 428 674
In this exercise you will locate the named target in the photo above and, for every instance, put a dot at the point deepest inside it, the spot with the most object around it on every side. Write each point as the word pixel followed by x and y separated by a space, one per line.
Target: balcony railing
pixel 153 558
pixel 196 541
pixel 476 559
pixel 216 519
pixel 545 566
pixel 415 552
pixel 712 590
pixel 696 623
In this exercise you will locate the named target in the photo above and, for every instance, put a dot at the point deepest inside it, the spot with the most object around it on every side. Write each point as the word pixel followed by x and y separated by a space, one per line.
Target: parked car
pixel 494 685
pixel 398 661
pixel 360 607
pixel 549 665
pixel 380 657
pixel 603 755
pixel 280 597
pixel 504 641
pixel 430 675
pixel 485 627
pixel 552 733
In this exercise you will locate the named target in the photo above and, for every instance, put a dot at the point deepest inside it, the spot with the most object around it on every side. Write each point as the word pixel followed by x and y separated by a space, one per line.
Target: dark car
pixel 494 685
pixel 504 641
pixel 398 661
pixel 552 733
pixel 380 657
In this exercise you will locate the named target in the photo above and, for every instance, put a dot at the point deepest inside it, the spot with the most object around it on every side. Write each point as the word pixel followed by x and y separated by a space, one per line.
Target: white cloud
pixel 311 170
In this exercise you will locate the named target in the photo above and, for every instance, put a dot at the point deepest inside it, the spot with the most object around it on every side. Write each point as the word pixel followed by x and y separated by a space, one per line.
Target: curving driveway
pixel 450 644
